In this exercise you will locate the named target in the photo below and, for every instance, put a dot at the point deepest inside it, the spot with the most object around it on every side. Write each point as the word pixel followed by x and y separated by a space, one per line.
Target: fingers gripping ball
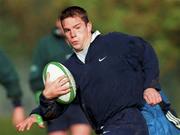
pixel 56 69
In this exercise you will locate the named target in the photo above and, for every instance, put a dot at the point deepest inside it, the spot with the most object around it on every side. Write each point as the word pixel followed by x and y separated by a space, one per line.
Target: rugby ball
pixel 56 69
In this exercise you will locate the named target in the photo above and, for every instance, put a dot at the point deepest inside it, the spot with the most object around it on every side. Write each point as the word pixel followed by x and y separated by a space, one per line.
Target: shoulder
pixel 116 38
pixel 47 40
pixel 126 38
pixel 120 36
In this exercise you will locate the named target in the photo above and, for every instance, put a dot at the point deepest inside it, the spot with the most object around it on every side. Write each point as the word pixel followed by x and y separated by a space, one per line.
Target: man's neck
pixel 82 54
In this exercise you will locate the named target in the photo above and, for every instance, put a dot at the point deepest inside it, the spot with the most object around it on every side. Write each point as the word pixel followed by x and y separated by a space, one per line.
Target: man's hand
pixel 56 88
pixel 29 121
pixel 18 115
pixel 152 96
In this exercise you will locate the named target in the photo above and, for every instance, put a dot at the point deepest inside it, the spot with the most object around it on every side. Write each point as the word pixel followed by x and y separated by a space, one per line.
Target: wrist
pixel 45 95
pixel 16 102
pixel 37 118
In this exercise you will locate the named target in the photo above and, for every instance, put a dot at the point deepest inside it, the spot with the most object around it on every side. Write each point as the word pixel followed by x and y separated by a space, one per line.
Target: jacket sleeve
pixel 149 64
pixel 10 80
pixel 49 109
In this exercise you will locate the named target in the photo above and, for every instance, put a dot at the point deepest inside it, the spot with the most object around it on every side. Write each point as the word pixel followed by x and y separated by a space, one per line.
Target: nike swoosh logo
pixel 101 59
pixel 105 132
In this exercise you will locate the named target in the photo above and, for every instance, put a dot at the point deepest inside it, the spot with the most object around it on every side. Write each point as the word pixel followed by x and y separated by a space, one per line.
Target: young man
pixel 113 73
pixel 10 80
pixel 53 47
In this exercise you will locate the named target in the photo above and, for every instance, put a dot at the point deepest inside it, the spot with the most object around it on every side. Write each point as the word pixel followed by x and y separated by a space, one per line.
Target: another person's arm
pixel 9 79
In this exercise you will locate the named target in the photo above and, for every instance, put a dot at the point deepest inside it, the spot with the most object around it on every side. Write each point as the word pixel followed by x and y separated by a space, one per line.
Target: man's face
pixel 78 33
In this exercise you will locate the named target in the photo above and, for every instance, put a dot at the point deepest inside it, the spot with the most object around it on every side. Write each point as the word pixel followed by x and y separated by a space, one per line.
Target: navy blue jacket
pixel 117 69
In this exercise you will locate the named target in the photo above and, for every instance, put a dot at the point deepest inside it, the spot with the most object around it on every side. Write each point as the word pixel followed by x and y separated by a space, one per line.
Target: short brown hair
pixel 74 11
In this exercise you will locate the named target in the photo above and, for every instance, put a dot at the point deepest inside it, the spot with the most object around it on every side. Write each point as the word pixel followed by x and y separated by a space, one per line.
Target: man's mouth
pixel 75 42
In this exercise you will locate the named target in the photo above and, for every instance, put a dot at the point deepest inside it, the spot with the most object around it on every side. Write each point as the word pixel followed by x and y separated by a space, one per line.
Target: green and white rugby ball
pixel 56 69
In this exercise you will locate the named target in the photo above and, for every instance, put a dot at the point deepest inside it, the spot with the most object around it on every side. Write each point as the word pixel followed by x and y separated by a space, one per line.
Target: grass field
pixel 6 128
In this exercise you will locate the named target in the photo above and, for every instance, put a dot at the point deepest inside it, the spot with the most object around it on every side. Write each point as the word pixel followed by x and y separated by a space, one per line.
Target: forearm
pixel 151 68
pixel 16 102
pixel 49 109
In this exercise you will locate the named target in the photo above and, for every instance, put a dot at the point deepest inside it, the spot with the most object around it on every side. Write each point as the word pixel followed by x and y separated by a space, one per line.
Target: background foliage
pixel 23 22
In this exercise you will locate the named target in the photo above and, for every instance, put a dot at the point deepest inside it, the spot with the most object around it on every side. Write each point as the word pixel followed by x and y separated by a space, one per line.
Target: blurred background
pixel 23 22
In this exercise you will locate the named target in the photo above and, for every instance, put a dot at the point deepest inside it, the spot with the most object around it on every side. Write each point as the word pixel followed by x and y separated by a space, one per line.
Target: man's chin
pixel 77 49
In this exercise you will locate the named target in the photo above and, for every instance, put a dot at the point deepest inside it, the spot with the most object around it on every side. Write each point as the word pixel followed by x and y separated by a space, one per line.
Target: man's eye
pixel 78 27
pixel 66 31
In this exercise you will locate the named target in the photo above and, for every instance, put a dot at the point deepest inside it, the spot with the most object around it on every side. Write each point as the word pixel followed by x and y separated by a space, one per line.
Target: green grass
pixel 8 129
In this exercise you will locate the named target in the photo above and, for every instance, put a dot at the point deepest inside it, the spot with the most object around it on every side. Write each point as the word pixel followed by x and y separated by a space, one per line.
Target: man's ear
pixel 89 26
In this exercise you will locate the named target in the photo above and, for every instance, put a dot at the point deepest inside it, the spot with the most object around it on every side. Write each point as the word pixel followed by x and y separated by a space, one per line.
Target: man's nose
pixel 73 33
